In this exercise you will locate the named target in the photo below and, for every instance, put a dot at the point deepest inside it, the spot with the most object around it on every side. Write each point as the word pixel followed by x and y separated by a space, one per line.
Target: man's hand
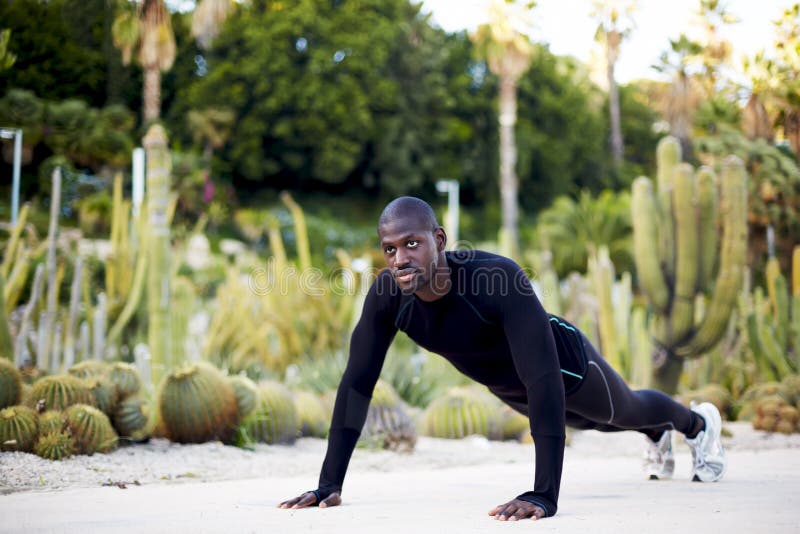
pixel 309 498
pixel 517 509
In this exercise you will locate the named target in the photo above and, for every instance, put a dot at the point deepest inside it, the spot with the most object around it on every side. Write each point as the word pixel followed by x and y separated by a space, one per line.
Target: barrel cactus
pixel 246 394
pixel 515 425
pixel 131 417
pixel 91 428
pixel 58 392
pixel 275 419
pixel 676 248
pixel 311 416
pixel 55 445
pixel 125 378
pixel 388 425
pixel 19 427
pixel 52 421
pixel 10 384
pixel 104 394
pixel 461 412
pixel 197 403
pixel 89 368
pixel 716 394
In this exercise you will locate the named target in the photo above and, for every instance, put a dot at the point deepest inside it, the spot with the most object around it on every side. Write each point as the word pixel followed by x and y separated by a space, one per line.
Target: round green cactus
pixel 515 425
pixel 89 368
pixel 311 416
pixel 275 419
pixel 388 425
pixel 52 421
pixel 197 403
pixel 19 427
pixel 58 392
pixel 125 378
pixel 131 417
pixel 55 445
pixel 91 428
pixel 459 413
pixel 246 394
pixel 10 384
pixel 104 394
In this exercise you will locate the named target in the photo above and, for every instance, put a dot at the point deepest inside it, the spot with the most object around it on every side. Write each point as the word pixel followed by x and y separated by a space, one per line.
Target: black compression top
pixel 490 326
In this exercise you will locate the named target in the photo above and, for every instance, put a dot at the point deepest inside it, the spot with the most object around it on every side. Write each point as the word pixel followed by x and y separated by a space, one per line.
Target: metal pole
pixel 138 180
pixel 15 179
pixel 452 207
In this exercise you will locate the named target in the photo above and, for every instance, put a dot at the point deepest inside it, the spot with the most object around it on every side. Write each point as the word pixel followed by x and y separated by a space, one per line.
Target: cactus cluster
pixel 91 429
pixel 716 394
pixel 773 406
pixel 388 425
pixel 681 218
pixel 312 419
pixel 58 392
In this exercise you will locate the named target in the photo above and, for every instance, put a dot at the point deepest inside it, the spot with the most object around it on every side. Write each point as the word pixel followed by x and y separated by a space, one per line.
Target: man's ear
pixel 441 239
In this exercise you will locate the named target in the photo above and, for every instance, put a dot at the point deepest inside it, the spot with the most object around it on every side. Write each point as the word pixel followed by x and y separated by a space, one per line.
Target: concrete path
pixel 761 493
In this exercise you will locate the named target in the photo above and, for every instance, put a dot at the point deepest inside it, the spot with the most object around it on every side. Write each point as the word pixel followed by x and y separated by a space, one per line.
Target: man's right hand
pixel 310 499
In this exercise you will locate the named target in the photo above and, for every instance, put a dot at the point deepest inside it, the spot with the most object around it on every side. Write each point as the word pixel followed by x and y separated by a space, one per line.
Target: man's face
pixel 411 252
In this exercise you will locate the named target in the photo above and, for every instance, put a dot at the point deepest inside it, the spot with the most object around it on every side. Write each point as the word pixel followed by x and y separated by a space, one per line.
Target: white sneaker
pixel 659 462
pixel 707 452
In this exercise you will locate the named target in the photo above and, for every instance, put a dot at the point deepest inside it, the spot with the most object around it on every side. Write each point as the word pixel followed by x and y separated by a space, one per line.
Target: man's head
pixel 413 244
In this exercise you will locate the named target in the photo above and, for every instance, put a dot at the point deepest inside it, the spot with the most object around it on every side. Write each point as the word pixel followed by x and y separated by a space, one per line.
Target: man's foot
pixel 659 462
pixel 707 452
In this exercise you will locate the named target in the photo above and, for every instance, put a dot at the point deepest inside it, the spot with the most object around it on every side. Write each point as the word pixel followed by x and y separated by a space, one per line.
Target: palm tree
pixel 147 29
pixel 207 18
pixel 614 23
pixel 787 85
pixel 508 54
pixel 716 52
pixel 756 121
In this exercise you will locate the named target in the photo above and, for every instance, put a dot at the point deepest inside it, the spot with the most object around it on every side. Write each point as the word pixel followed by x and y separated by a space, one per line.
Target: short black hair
pixel 409 207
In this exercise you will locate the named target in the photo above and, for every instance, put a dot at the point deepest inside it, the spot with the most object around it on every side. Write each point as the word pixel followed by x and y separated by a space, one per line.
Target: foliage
pixel 573 229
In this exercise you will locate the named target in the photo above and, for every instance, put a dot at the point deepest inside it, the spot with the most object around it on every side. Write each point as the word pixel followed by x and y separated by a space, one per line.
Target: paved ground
pixel 761 493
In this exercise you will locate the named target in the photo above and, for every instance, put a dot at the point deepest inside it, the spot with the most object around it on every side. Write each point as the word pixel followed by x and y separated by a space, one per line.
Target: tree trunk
pixel 667 371
pixel 613 109
pixel 151 93
pixel 508 160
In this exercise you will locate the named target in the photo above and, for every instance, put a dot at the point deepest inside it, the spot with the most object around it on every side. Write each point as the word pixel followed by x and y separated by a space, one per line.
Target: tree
pixel 147 29
pixel 7 59
pixel 614 23
pixel 716 51
pixel 207 18
pixel 508 54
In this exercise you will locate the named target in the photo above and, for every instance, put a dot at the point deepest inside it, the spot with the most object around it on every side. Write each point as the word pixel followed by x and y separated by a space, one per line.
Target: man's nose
pixel 400 258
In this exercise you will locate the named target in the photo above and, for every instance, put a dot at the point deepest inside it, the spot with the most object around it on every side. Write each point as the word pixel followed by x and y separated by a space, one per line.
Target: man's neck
pixel 440 283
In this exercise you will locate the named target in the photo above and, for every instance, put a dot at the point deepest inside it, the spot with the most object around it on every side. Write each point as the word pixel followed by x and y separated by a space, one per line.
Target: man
pixel 479 311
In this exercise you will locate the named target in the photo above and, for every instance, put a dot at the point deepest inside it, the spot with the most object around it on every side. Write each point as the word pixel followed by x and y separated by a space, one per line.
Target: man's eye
pixel 413 243
pixel 388 250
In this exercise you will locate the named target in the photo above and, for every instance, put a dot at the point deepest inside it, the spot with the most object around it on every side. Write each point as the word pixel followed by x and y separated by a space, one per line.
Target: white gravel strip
pixel 160 461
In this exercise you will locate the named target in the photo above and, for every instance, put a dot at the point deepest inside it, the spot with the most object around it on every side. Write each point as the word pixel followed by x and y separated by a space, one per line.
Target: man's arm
pixel 533 349
pixel 368 345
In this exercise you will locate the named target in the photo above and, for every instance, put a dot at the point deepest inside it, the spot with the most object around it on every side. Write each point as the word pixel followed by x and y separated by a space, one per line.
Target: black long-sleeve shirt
pixel 490 326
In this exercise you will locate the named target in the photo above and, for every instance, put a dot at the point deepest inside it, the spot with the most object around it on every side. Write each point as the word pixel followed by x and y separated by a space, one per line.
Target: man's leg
pixel 605 402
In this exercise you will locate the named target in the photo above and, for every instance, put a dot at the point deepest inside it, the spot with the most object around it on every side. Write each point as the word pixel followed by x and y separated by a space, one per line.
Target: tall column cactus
pixel 681 220
pixel 158 275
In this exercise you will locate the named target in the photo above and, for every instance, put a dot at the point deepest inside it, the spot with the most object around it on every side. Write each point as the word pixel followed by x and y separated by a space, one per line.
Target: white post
pixel 15 177
pixel 451 188
pixel 137 193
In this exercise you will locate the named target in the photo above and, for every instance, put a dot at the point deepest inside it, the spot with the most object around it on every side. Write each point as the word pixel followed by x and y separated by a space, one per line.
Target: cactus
pixel 388 425
pixel 682 218
pixel 91 428
pixel 197 404
pixel 18 428
pixel 89 369
pixel 158 251
pixel 55 445
pixel 246 395
pixel 104 394
pixel 58 392
pixel 184 303
pixel 10 384
pixel 6 344
pixel 125 378
pixel 459 413
pixel 311 416
pixel 713 393
pixel 131 417
pixel 52 421
pixel 515 425
pixel 275 419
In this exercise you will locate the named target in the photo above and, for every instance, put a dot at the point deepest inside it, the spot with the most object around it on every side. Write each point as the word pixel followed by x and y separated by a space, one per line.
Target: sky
pixel 566 25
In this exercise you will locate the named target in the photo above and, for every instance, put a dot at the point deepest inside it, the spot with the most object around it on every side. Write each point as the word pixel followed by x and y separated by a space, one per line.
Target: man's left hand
pixel 517 509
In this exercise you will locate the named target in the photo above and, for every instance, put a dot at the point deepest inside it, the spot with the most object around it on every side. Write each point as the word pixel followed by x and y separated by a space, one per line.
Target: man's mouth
pixel 405 275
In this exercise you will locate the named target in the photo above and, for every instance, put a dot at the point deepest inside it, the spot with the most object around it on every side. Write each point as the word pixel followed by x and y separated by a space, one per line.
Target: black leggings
pixel 605 402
